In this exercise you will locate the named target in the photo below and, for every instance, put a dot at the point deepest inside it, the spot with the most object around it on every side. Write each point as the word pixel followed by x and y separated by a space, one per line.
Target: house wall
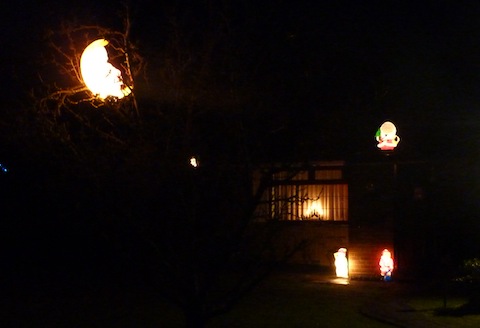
pixel 372 200
pixel 424 212
pixel 365 248
pixel 318 240
pixel 389 202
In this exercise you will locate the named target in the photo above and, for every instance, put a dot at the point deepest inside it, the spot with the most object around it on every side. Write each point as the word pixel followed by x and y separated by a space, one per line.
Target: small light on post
pixel 386 136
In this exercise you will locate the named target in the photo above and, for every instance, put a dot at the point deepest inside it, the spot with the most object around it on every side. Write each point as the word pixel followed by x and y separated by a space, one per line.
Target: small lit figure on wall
pixel 386 136
pixel 341 263
pixel 194 161
pixel 386 265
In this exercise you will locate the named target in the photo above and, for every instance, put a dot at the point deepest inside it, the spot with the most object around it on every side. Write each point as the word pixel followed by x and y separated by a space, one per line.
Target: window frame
pixel 290 206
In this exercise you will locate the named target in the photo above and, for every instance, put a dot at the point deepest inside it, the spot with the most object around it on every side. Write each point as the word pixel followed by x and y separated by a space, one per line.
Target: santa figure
pixel 386 265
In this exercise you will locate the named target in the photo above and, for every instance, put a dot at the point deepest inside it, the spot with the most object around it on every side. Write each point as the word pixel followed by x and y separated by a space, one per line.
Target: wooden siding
pixel 365 248
pixel 320 239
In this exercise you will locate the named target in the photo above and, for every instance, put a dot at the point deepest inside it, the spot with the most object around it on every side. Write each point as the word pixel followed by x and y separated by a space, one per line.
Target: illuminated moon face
pixel 100 77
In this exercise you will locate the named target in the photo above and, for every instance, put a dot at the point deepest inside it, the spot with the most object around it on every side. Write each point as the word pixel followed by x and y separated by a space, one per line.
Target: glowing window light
pixel 341 263
pixel 314 209
pixel 386 136
pixel 100 77
pixel 386 265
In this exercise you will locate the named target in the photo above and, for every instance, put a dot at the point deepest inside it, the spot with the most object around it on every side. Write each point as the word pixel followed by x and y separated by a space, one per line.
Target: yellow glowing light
pixel 341 263
pixel 315 209
pixel 194 162
pixel 100 77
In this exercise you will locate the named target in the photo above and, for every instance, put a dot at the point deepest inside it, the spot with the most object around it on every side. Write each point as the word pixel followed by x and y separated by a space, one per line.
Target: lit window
pixel 315 194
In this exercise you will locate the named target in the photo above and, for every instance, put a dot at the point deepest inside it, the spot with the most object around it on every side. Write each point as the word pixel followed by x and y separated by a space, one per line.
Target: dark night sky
pixel 330 72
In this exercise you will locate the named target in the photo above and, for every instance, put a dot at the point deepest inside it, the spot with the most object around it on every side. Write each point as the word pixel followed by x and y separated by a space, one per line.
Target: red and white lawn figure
pixel 386 265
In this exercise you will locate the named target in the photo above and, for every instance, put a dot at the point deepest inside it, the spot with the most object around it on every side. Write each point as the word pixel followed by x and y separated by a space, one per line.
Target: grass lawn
pixel 284 300
pixel 280 301
pixel 294 302
pixel 430 305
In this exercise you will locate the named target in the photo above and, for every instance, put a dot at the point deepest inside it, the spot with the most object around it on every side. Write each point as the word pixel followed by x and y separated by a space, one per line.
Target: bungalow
pixel 363 206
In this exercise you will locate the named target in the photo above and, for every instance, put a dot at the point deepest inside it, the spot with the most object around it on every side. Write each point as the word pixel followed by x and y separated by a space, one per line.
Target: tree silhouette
pixel 123 164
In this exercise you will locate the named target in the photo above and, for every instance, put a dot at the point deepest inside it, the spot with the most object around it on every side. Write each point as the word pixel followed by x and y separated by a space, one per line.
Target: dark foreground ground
pixel 285 299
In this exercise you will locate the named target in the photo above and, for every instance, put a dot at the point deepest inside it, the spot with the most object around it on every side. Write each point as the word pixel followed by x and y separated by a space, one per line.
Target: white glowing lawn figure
pixel 101 78
pixel 386 265
pixel 341 263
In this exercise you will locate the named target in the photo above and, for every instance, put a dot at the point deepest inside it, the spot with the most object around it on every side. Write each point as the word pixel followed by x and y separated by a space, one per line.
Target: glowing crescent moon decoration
pixel 100 77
